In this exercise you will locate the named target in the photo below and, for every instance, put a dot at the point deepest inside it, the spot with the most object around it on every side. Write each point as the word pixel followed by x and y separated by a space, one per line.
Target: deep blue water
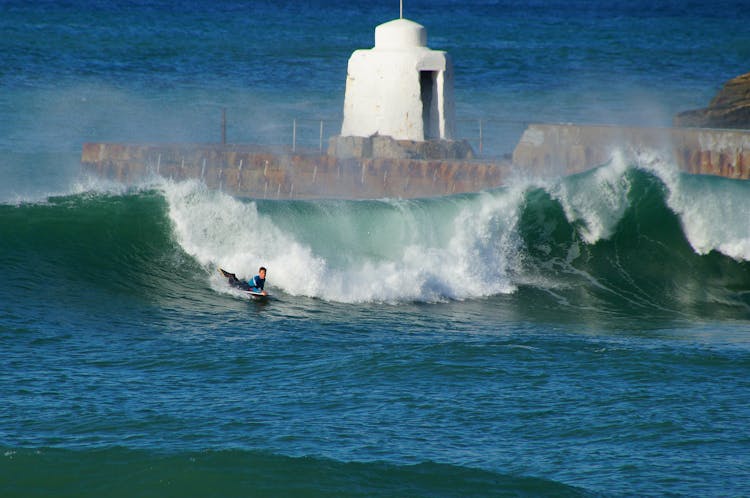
pixel 575 336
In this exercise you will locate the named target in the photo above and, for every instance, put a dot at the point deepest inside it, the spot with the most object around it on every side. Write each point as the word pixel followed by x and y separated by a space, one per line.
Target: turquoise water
pixel 575 336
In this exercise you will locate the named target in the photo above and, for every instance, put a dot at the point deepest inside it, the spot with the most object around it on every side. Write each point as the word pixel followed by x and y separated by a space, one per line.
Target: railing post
pixel 224 126
pixel 321 137
pixel 481 138
pixel 294 135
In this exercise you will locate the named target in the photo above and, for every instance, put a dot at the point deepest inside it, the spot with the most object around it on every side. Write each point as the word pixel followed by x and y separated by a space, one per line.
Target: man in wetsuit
pixel 258 281
pixel 255 284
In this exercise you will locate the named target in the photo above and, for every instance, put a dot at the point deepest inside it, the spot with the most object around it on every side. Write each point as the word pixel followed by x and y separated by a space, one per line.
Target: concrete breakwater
pixel 257 172
pixel 569 148
pixel 543 150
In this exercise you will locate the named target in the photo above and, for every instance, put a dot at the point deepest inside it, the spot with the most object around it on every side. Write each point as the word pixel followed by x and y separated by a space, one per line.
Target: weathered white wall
pixel 383 94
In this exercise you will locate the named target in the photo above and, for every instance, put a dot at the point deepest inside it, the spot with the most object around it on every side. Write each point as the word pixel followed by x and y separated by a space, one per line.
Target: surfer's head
pixel 262 272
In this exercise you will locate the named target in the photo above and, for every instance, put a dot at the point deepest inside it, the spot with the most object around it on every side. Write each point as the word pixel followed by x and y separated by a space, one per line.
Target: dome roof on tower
pixel 400 34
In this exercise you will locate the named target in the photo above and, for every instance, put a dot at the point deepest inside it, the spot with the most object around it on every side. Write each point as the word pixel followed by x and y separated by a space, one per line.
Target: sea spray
pixel 595 201
pixel 486 244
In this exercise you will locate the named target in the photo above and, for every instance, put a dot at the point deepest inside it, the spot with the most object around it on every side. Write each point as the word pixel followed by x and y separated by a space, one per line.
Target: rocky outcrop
pixel 729 109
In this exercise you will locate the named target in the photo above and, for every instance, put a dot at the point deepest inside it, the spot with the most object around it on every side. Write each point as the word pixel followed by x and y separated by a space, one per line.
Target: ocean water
pixel 577 336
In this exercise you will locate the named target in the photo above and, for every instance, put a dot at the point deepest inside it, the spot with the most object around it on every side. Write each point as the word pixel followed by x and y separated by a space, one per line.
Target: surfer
pixel 255 284
pixel 258 281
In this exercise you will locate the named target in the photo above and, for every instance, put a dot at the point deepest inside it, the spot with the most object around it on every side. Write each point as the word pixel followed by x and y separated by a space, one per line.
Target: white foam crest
pixel 487 246
pixel 475 262
pixel 219 230
pixel 101 185
pixel 714 213
pixel 595 201
pixel 85 185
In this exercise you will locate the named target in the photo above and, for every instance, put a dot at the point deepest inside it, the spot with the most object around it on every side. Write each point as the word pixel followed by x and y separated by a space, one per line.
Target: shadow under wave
pixel 126 472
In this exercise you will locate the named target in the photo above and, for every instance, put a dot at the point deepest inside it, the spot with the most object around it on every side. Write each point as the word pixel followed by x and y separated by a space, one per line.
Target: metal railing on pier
pixel 488 137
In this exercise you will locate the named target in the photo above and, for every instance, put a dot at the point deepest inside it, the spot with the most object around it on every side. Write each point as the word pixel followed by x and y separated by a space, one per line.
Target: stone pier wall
pixel 544 150
pixel 261 173
pixel 567 148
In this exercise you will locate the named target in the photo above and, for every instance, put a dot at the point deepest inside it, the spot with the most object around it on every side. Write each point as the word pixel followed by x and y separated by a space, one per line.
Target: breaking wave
pixel 640 233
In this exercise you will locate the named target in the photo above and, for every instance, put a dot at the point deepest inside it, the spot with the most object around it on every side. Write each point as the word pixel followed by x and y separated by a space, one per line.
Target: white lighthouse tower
pixel 399 88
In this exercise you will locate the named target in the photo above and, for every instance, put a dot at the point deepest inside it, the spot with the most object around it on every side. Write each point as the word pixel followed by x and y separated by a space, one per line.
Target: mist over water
pixel 89 71
pixel 574 336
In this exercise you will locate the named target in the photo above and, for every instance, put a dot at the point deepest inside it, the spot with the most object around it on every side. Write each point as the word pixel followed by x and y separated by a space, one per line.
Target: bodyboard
pixel 241 285
pixel 257 296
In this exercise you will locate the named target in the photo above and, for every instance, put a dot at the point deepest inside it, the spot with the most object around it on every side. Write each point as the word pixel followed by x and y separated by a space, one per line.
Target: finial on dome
pixel 401 9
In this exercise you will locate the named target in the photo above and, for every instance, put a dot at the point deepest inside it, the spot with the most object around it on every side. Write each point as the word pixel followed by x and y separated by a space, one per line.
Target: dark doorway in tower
pixel 429 106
